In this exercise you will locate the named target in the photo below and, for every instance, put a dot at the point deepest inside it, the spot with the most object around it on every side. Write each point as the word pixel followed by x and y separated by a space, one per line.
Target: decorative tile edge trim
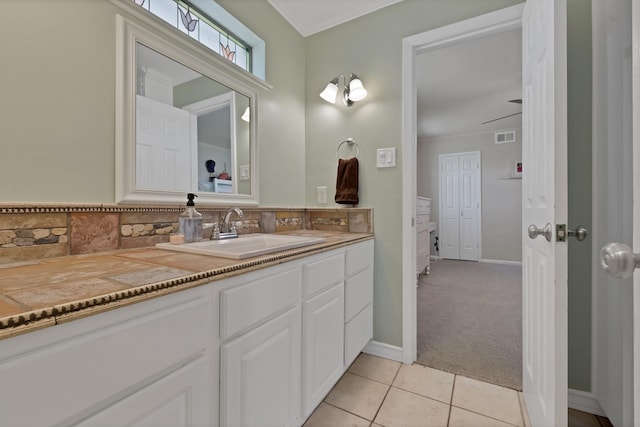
pixel 10 324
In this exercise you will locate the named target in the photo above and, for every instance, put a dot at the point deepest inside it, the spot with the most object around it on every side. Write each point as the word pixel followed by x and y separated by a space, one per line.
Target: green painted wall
pixel 371 47
pixel 501 197
pixel 579 173
pixel 58 102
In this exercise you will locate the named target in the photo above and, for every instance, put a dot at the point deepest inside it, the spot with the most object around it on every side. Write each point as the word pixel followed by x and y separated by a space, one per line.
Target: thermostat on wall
pixel 386 157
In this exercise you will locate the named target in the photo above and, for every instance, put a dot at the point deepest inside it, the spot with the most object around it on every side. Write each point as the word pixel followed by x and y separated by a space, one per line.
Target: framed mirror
pixel 184 122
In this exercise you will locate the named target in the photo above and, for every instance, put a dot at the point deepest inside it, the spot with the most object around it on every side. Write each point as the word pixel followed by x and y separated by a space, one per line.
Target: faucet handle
pixel 215 234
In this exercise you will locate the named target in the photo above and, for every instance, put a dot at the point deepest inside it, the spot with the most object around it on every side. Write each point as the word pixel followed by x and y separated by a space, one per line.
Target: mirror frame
pixel 157 35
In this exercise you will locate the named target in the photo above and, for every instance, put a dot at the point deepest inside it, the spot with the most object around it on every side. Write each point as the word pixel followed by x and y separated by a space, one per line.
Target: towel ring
pixel 350 142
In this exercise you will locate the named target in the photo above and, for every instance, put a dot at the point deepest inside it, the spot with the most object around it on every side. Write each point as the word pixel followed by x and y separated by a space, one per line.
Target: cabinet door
pixel 260 375
pixel 323 345
pixel 84 366
pixel 179 399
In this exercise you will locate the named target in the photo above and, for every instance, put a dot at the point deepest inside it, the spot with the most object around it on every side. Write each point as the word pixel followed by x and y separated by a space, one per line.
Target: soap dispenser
pixel 190 221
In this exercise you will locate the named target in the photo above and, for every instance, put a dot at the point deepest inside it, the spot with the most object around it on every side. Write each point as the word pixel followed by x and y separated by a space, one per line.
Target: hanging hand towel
pixel 347 182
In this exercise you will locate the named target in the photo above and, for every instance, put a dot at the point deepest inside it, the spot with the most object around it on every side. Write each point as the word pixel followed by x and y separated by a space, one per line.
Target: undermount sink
pixel 246 246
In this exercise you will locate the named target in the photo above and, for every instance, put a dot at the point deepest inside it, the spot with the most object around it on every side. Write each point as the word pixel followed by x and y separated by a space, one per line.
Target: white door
pixel 460 206
pixel 618 301
pixel 612 383
pixel 469 167
pixel 544 195
pixel 163 146
pixel 449 208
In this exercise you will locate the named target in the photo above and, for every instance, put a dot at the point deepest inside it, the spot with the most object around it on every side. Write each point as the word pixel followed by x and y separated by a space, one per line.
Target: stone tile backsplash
pixel 32 232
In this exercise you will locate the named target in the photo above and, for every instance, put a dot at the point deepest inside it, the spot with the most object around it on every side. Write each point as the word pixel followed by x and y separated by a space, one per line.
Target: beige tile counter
pixel 53 290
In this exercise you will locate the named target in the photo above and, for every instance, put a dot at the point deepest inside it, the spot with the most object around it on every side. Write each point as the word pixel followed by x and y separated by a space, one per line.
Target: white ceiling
pixel 312 16
pixel 463 85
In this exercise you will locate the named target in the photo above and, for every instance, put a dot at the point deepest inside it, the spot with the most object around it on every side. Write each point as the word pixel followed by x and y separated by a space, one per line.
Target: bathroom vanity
pixel 253 342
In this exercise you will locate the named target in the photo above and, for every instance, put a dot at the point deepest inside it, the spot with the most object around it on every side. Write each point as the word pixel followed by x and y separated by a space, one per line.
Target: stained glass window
pixel 191 21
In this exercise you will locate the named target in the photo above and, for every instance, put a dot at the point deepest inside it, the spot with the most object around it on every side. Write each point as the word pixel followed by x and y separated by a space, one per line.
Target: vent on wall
pixel 505 136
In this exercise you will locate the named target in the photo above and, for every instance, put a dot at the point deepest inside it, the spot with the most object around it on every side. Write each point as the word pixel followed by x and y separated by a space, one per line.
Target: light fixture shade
pixel 246 116
pixel 357 92
pixel 330 92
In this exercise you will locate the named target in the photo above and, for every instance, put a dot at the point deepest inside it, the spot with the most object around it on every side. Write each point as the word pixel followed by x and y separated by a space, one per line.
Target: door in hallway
pixel 460 206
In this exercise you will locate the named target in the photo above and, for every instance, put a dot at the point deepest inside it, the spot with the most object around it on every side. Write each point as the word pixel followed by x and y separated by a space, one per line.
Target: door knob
pixel 580 233
pixel 534 232
pixel 618 260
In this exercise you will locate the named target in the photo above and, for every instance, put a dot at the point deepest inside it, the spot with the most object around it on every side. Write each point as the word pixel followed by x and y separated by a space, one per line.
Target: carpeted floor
pixel 470 321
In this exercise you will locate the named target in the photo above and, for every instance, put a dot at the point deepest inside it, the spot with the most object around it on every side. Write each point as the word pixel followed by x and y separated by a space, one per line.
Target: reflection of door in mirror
pixel 164 137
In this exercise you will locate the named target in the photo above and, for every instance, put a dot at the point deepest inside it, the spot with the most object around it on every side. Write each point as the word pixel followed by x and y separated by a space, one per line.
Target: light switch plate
pixel 386 157
pixel 244 172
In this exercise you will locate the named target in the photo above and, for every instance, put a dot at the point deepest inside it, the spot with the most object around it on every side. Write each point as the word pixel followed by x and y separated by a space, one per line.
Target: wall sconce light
pixel 246 116
pixel 354 91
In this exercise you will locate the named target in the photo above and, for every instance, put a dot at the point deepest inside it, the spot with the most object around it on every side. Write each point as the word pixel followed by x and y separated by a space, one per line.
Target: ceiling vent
pixel 505 137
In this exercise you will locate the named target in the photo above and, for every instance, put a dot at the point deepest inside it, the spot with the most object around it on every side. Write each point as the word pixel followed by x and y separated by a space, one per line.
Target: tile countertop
pixel 54 290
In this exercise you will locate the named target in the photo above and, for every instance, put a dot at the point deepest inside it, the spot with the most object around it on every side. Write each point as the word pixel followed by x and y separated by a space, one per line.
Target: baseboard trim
pixel 585 402
pixel 381 349
pixel 500 261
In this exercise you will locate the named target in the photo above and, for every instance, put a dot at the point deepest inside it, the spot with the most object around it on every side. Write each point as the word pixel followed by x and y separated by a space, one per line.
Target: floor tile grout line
pixel 344 410
pixel 386 394
pixel 420 395
pixel 485 415
pixel 371 379
pixel 478 413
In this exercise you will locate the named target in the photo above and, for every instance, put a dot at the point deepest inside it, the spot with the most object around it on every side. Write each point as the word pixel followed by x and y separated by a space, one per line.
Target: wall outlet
pixel 322 195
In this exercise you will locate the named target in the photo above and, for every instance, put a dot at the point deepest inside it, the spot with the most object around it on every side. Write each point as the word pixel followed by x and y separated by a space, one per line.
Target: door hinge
pixel 561 232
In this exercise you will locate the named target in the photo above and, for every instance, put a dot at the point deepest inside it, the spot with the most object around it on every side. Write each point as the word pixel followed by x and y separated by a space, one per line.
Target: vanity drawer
pixel 249 304
pixel 322 274
pixel 422 223
pixel 423 205
pixel 359 258
pixel 358 293
pixel 357 334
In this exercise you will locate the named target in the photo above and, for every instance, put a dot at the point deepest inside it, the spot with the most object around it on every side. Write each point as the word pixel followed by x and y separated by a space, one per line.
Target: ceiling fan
pixel 515 101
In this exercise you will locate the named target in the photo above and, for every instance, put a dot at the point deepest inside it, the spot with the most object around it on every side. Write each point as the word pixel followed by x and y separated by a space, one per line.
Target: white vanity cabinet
pixel 358 285
pixel 261 348
pixel 322 328
pixel 289 332
pixel 142 365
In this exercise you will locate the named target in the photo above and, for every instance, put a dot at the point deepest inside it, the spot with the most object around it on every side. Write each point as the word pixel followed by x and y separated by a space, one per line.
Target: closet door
pixel 460 206
pixel 449 207
pixel 469 165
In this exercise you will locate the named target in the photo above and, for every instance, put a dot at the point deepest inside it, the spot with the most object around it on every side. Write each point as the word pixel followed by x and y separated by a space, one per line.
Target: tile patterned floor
pixel 377 392
pixel 380 392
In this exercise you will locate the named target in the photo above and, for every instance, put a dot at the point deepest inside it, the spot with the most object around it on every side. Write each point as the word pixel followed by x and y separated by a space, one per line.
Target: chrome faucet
pixel 227 229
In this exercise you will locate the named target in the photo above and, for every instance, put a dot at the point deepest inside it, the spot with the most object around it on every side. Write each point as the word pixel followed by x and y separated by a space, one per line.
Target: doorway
pixel 503 20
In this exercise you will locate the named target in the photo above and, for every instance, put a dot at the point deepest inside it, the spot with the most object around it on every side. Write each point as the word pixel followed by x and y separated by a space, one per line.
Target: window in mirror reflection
pixel 189 131
pixel 188 19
